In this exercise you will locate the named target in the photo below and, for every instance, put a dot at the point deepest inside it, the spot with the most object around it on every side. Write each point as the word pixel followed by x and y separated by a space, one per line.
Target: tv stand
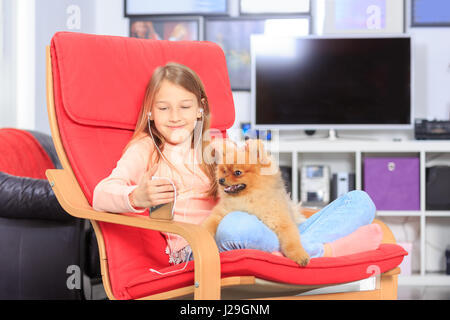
pixel 333 136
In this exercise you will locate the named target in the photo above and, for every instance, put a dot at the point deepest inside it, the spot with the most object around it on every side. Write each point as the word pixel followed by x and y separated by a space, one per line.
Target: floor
pixel 423 293
pixel 404 293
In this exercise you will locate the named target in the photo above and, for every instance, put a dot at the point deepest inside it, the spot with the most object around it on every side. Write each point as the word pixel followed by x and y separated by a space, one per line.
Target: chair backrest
pixel 99 86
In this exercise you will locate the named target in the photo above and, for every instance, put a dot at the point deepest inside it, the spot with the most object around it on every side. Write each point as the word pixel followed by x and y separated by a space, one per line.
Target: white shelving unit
pixel 352 152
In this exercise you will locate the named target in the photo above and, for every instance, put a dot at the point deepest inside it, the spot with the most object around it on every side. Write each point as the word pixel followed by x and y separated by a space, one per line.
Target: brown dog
pixel 250 181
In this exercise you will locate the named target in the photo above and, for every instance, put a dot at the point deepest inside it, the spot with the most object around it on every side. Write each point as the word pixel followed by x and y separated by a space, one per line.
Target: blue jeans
pixel 240 230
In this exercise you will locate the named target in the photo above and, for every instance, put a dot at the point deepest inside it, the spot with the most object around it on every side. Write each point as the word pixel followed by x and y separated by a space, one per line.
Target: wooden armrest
pixel 204 248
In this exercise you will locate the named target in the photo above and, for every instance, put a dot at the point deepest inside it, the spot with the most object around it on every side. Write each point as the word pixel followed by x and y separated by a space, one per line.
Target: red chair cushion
pixel 320 271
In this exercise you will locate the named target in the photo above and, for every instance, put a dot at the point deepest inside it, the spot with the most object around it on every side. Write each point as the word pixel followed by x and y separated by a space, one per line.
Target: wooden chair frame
pixel 207 277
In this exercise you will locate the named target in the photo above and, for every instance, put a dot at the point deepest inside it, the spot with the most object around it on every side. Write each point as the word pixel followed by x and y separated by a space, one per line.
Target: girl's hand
pixel 150 193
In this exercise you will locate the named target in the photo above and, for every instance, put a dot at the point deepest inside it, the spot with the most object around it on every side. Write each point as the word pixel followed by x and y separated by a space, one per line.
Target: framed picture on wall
pixel 165 28
pixel 274 7
pixel 430 13
pixel 233 36
pixel 175 7
pixel 360 16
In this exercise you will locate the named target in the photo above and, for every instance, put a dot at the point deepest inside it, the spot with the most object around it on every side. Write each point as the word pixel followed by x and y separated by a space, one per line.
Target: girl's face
pixel 175 111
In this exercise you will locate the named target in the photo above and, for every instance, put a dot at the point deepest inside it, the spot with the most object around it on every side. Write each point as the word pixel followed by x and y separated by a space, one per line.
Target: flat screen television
pixel 315 83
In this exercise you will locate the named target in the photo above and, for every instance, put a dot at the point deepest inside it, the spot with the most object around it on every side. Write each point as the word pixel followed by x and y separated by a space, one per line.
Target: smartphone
pixel 162 211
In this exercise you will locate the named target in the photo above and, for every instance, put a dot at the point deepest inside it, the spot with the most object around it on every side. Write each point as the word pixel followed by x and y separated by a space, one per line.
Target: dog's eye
pixel 237 173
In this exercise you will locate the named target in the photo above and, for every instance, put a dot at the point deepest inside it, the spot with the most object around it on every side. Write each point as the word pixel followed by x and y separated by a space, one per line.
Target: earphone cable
pixel 192 185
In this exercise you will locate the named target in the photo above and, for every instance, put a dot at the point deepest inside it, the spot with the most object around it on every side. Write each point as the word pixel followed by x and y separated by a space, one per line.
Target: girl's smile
pixel 174 128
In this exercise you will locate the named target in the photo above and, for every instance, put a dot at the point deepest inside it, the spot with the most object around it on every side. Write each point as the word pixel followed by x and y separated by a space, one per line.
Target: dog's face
pixel 239 170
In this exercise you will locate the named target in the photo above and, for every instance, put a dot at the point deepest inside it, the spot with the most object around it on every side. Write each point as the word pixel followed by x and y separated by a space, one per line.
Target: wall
pixel 53 16
pixel 110 18
pixel 28 26
pixel 432 66
pixel 7 65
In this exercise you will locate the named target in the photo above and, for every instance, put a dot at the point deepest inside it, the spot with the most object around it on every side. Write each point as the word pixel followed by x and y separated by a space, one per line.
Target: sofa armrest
pixel 29 198
pixel 204 248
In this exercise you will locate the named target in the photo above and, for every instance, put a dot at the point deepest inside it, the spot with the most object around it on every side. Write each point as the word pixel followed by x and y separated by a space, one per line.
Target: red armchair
pixel 95 87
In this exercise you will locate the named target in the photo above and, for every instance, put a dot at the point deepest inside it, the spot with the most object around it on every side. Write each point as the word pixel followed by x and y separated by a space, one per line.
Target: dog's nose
pixel 222 180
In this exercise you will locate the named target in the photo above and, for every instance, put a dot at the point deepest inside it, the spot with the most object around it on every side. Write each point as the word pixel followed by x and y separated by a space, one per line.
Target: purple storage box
pixel 393 183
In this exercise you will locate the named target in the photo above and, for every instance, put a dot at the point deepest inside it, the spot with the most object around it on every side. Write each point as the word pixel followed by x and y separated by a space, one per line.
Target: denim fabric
pixel 240 230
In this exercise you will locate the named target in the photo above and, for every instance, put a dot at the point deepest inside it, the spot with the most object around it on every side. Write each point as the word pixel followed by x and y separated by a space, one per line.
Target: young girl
pixel 166 144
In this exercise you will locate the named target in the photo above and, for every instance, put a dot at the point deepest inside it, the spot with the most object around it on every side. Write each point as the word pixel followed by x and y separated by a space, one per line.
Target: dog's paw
pixel 300 257
pixel 303 261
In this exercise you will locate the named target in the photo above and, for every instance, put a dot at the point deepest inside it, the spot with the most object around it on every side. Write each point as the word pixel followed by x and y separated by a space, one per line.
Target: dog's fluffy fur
pixel 244 187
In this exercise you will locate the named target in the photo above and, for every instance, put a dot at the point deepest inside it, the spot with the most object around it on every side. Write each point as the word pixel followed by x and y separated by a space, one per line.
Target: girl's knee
pixel 233 225
pixel 360 196
pixel 362 200
pixel 240 230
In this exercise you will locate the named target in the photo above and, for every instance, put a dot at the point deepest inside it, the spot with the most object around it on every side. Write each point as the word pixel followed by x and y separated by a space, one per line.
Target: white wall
pixel 28 26
pixel 432 65
pixel 110 18
pixel 53 16
pixel 7 65
pixel 25 64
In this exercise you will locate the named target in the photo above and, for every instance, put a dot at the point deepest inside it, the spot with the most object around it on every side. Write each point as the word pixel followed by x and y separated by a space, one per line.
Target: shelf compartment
pixel 437 240
pixel 408 229
pixel 335 161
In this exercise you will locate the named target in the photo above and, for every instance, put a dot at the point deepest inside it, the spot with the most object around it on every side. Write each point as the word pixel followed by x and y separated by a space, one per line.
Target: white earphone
pixel 201 110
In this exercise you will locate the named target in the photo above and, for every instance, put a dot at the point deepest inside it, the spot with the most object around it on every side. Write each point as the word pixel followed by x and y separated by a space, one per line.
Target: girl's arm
pixel 112 193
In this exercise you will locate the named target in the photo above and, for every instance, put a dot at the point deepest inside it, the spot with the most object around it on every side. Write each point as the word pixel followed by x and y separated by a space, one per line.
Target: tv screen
pixel 331 82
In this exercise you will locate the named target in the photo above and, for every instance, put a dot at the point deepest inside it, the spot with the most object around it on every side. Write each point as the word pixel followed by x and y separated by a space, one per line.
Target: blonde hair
pixel 185 77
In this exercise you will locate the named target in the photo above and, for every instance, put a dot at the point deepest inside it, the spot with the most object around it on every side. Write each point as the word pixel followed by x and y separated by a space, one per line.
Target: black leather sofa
pixel 44 252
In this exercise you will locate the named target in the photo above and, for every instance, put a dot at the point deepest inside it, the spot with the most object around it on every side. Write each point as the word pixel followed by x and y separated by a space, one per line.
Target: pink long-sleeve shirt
pixel 112 193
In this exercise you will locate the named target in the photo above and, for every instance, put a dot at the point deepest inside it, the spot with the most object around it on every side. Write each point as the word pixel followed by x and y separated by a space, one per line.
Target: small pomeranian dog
pixel 250 181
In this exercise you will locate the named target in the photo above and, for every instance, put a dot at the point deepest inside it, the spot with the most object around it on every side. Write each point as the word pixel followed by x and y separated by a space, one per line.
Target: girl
pixel 166 144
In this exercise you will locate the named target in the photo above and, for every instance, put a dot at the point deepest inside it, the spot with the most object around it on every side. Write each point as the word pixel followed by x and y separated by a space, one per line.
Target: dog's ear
pixel 256 150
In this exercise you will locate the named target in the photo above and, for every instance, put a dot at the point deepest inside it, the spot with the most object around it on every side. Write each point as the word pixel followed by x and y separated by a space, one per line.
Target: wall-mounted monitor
pixel 358 82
